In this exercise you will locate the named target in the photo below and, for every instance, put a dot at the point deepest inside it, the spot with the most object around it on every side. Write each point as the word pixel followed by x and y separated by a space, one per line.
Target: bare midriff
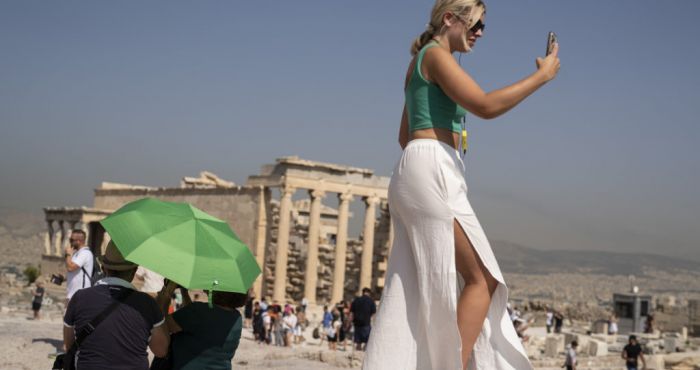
pixel 446 136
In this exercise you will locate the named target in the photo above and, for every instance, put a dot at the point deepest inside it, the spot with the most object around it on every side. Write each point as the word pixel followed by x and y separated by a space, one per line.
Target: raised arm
pixel 70 266
pixel 163 300
pixel 461 88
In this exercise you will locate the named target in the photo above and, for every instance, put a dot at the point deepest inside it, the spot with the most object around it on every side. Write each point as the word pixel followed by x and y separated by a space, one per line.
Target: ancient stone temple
pixel 302 246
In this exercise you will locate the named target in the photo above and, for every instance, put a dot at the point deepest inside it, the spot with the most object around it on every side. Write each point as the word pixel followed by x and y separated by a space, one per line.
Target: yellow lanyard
pixel 464 135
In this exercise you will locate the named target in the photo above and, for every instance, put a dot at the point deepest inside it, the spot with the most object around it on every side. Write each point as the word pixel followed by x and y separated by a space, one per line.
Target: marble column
pixel 82 225
pixel 50 238
pixel 312 256
pixel 341 247
pixel 368 243
pixel 61 239
pixel 279 291
pixel 260 242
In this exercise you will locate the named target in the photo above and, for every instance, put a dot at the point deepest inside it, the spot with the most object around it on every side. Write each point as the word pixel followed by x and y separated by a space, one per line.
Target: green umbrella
pixel 184 244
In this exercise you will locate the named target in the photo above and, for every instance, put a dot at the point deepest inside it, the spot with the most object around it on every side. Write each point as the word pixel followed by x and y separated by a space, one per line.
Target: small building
pixel 694 317
pixel 632 310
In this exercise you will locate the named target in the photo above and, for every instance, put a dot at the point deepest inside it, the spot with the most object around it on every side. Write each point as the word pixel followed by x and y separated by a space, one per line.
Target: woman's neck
pixel 443 42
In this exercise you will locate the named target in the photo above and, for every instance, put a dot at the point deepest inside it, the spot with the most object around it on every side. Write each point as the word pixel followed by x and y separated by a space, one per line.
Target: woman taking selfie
pixel 444 303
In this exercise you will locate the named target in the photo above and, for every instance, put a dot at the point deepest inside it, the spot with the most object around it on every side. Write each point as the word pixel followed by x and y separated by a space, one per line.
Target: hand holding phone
pixel 551 40
pixel 549 65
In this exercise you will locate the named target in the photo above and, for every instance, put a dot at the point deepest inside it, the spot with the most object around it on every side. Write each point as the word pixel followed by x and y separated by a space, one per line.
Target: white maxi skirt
pixel 416 325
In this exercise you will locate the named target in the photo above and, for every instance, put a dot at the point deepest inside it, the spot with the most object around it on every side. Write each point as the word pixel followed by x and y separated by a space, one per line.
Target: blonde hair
pixel 456 7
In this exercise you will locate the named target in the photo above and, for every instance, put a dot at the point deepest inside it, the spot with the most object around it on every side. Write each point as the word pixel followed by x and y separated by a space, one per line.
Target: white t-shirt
pixel 570 357
pixel 76 280
pixel 290 321
pixel 152 281
pixel 550 317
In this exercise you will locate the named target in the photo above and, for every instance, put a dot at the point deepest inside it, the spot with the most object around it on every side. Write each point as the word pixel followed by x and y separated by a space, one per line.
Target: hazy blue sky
pixel 604 157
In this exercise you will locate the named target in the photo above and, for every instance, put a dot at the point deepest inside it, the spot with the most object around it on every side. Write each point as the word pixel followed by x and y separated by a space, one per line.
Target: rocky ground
pixel 29 344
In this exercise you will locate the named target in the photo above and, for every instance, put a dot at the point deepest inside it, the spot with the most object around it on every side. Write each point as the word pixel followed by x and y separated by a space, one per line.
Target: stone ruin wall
pixel 237 206
pixel 296 263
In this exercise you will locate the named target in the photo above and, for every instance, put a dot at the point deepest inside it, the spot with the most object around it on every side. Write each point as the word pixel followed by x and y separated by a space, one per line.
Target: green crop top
pixel 427 104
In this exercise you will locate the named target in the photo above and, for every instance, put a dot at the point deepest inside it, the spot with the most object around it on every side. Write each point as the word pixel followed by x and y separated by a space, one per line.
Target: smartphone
pixel 551 40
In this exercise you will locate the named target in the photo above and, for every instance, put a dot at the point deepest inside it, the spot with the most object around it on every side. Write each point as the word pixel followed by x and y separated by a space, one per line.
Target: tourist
pixel 327 317
pixel 549 320
pixel 277 326
pixel 632 353
pixel 362 309
pixel 258 330
pixel 37 298
pixel 248 312
pixel 436 232
pixel 120 340
pixel 289 322
pixel 326 321
pixel 347 327
pixel 263 304
pixel 558 321
pixel 333 330
pixel 80 264
pixel 151 281
pixel 304 304
pixel 204 336
pixel 300 326
pixel 649 324
pixel 267 326
pixel 341 336
pixel 612 325
pixel 571 362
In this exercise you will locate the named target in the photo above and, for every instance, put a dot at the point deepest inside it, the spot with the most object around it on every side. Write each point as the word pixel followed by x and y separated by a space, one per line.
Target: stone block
pixel 570 337
pixel 597 348
pixel 655 362
pixel 600 327
pixel 553 345
pixel 671 344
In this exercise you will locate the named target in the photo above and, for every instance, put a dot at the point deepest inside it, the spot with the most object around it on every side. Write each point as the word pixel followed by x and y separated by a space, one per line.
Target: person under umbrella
pixel 203 337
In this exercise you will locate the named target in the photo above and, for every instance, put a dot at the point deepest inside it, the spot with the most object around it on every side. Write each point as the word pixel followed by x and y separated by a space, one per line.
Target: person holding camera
pixel 79 263
pixel 444 301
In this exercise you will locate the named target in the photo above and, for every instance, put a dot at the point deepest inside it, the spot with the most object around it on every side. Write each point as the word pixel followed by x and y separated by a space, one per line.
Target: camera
pixel 57 279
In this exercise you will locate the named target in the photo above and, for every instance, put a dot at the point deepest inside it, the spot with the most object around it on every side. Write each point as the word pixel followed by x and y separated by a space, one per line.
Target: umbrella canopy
pixel 184 244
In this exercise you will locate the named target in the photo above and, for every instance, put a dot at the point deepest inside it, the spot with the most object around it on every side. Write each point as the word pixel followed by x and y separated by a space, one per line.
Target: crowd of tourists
pixel 284 326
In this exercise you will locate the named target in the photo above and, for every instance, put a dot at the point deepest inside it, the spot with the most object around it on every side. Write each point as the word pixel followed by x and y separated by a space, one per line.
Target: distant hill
pixel 22 242
pixel 515 258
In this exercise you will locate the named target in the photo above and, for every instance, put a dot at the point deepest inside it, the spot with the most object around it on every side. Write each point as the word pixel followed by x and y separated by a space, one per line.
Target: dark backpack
pixel 97 272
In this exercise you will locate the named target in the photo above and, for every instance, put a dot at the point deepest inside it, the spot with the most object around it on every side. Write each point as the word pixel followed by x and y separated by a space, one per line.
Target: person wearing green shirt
pixel 203 337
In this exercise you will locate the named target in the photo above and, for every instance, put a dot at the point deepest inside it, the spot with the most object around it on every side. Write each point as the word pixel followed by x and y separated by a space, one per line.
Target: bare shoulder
pixel 438 61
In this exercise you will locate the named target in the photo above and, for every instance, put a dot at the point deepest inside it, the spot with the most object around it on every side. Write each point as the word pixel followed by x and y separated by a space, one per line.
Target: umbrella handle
pixel 211 293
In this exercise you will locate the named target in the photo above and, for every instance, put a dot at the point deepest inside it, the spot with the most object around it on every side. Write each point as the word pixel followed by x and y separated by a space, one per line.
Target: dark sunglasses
pixel 479 25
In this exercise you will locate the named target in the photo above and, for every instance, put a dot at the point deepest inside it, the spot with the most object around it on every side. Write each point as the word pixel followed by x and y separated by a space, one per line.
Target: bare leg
pixel 473 303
